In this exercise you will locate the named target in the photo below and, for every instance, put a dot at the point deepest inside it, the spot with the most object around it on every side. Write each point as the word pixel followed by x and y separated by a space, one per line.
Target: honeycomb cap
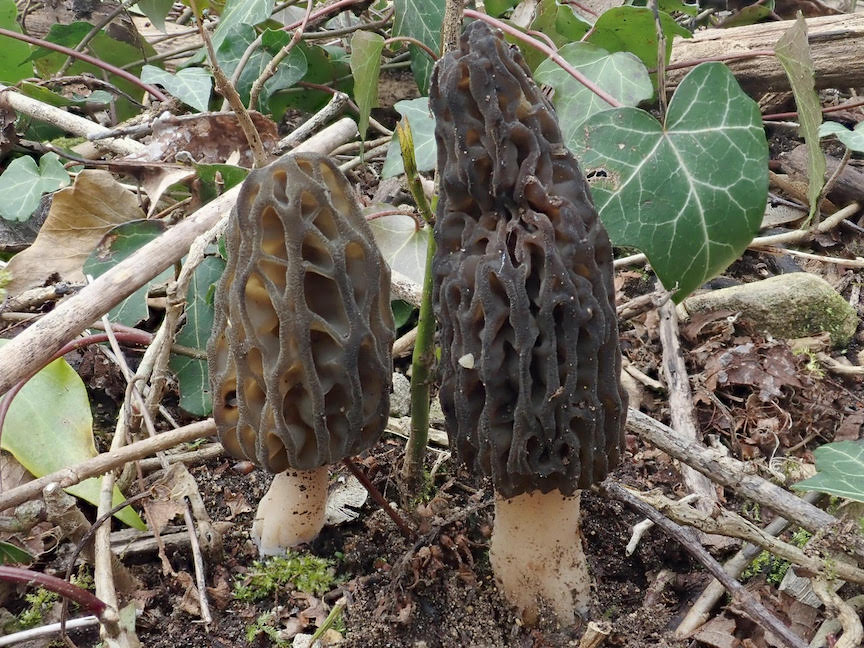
pixel 300 354
pixel 530 364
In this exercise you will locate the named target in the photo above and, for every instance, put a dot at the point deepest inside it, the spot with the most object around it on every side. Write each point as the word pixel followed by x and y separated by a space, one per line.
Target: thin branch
pixel 552 54
pixel 111 69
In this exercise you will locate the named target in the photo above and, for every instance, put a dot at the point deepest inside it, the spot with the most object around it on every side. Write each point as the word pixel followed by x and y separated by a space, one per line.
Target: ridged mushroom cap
pixel 300 355
pixel 530 364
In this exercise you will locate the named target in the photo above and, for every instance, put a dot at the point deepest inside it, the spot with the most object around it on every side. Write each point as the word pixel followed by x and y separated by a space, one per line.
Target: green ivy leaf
pixel 793 52
pixel 49 427
pixel 15 61
pixel 557 21
pixel 416 111
pixel 497 7
pixel 852 139
pixel 620 74
pixel 402 312
pixel 632 29
pixel 240 12
pixel 420 19
pixel 689 194
pixel 156 11
pixel 402 245
pixel 191 373
pixel 365 66
pixel 290 70
pixel 840 470
pixel 12 555
pixel 115 246
pixel 190 85
pixel 228 174
pixel 325 66
pixel 27 182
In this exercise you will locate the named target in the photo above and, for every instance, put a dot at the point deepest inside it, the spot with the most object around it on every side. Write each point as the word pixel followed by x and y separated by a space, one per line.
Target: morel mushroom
pixel 530 364
pixel 300 355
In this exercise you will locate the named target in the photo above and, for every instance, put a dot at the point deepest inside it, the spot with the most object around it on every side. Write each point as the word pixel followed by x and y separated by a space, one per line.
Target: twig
pixel 661 59
pixel 404 344
pixel 333 108
pixel 681 401
pixel 734 474
pixel 746 599
pixel 66 121
pixel 379 498
pixel 46 630
pixel 198 562
pixel 857 262
pixel 106 461
pixel 853 632
pixel 832 180
pixel 833 626
pixel 641 377
pixel 368 155
pixel 226 89
pixel 700 611
pixel 722 522
pixel 270 69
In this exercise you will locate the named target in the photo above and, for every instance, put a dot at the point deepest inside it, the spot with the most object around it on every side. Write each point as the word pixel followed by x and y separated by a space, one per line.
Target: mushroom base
pixel 291 511
pixel 536 555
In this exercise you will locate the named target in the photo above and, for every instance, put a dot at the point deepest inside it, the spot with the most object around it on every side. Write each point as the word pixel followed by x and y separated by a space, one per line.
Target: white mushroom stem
pixel 536 555
pixel 291 511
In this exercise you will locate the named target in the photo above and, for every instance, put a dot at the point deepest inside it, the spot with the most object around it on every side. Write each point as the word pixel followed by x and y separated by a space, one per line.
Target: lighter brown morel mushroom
pixel 530 363
pixel 300 355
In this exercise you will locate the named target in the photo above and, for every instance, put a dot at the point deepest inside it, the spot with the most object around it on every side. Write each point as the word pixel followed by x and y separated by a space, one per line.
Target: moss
pixel 295 571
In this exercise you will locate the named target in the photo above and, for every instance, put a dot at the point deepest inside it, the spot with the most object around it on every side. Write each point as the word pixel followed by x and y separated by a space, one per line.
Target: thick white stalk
pixel 536 555
pixel 291 511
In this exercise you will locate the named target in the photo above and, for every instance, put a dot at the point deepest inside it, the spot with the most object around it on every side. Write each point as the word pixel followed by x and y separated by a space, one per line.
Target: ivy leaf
pixel 420 19
pixel 620 74
pixel 689 194
pixel 191 373
pixel 14 63
pixel 402 244
pixel 240 12
pixel 557 21
pixel 840 471
pixel 190 85
pixel 12 555
pixel 365 65
pixel 290 70
pixel 325 66
pixel 497 7
pixel 27 182
pixel 852 139
pixel 115 246
pixel 632 29
pixel 793 52
pixel 156 11
pixel 416 111
pixel 49 427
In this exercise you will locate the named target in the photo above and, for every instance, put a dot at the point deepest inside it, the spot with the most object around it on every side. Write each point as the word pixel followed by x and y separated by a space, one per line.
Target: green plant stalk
pixel 421 373
pixel 424 357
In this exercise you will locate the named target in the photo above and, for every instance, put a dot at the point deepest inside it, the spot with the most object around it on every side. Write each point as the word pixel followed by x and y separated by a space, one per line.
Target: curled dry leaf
pixel 209 140
pixel 79 217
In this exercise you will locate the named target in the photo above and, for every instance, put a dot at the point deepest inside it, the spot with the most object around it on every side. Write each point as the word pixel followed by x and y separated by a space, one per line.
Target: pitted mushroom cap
pixel 523 282
pixel 300 355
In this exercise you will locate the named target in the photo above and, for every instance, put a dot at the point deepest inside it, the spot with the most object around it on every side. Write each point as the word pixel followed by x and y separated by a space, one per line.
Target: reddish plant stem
pixel 124 334
pixel 552 54
pixel 413 41
pixel 123 74
pixel 379 498
pixel 323 11
pixel 67 590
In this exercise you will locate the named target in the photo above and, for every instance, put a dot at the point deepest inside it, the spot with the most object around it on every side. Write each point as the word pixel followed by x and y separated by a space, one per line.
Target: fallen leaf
pixel 237 504
pixel 79 217
pixel 718 633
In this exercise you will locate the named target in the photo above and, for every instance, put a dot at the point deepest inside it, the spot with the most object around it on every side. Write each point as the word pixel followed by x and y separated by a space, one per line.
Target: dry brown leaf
pixel 237 504
pixel 718 632
pixel 80 216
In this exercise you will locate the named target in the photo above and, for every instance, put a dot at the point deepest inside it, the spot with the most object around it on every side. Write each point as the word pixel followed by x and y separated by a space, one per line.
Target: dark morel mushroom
pixel 300 356
pixel 530 364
